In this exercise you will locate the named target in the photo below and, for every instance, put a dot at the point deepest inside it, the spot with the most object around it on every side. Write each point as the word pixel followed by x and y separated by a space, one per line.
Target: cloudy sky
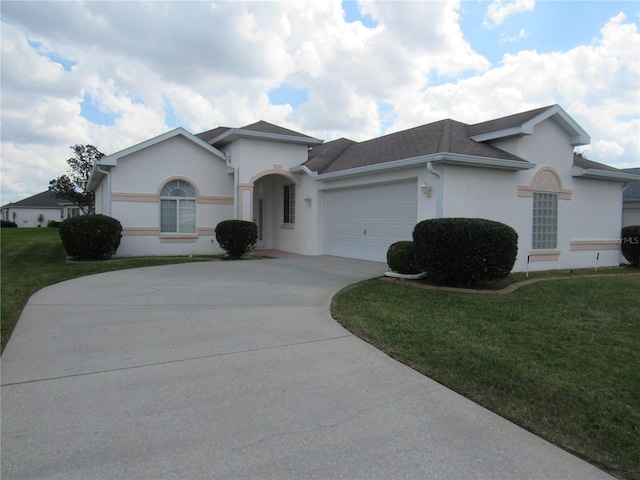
pixel 113 74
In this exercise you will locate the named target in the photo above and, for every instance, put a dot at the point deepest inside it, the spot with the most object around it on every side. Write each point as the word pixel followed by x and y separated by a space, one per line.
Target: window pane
pixel 545 220
pixel 289 203
pixel 168 216
pixel 187 216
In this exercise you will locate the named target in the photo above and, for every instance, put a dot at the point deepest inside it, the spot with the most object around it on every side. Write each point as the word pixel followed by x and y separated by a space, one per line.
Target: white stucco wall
pixel 631 213
pixel 28 217
pixel 136 182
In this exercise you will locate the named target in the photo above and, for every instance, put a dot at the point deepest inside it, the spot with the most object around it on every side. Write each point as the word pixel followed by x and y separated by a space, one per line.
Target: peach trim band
pixel 592 245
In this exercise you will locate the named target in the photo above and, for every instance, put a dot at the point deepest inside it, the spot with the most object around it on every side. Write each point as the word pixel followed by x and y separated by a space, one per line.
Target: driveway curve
pixel 236 370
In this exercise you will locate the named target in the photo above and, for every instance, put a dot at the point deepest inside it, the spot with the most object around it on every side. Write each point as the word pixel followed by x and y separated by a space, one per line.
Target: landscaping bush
pixel 464 251
pixel 237 237
pixel 91 237
pixel 401 257
pixel 630 245
pixel 8 224
pixel 53 224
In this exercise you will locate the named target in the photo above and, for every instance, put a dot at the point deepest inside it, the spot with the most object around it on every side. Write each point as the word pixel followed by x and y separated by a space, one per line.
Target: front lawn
pixel 559 358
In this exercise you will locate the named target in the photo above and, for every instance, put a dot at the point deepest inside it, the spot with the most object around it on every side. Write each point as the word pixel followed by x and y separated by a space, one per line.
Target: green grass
pixel 32 258
pixel 559 358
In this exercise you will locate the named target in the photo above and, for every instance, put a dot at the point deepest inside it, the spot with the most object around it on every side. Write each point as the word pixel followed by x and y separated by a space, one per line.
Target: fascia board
pixel 444 158
pixel 112 160
pixel 604 174
pixel 507 132
pixel 236 133
pixel 576 133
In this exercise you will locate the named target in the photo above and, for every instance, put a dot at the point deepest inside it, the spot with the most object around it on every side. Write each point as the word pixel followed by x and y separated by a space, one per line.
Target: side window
pixel 545 220
pixel 178 208
pixel 290 203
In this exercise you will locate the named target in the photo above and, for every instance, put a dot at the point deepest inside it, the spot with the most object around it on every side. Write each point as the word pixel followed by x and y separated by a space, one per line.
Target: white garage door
pixel 362 222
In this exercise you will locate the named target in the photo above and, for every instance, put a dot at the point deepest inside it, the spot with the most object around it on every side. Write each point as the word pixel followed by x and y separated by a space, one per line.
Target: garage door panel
pixel 362 222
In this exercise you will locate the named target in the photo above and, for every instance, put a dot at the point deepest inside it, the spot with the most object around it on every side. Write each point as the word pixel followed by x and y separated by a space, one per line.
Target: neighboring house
pixel 353 199
pixel 631 200
pixel 27 212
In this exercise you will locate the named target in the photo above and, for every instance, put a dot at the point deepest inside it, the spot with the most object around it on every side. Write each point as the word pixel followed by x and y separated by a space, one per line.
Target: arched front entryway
pixel 273 206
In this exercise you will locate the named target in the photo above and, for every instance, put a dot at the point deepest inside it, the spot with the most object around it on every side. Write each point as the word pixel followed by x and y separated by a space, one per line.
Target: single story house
pixel 631 200
pixel 44 205
pixel 353 199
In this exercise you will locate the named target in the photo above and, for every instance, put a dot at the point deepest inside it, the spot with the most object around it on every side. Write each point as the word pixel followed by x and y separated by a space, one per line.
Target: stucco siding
pixel 146 171
pixel 255 156
pixel 137 181
pixel 28 217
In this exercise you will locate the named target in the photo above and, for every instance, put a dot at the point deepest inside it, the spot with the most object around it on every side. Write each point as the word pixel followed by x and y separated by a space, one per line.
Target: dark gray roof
pixel 580 161
pixel 505 123
pixel 260 127
pixel 445 136
pixel 211 134
pixel 45 199
pixel 632 192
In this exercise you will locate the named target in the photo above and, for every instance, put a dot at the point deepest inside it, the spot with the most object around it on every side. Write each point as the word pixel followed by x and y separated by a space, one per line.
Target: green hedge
pixel 401 257
pixel 464 251
pixel 90 237
pixel 630 245
pixel 237 237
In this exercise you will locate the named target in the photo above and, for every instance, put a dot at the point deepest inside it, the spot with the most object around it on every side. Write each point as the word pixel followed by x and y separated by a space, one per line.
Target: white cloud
pixel 213 64
pixel 499 10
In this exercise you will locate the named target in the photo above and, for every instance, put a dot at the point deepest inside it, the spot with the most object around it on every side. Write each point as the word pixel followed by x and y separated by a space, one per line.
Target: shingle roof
pixel 632 192
pixel 505 123
pixel 266 127
pixel 580 161
pixel 445 136
pixel 211 134
pixel 45 199
pixel 260 127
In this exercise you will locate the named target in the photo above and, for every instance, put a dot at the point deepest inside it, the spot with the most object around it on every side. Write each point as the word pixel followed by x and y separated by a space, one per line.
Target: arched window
pixel 178 208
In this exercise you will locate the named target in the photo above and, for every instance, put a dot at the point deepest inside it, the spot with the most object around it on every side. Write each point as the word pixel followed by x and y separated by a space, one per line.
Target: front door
pixel 260 220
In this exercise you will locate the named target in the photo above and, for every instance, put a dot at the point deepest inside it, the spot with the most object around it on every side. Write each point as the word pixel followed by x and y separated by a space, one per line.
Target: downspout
pixel 108 174
pixel 440 192
pixel 236 182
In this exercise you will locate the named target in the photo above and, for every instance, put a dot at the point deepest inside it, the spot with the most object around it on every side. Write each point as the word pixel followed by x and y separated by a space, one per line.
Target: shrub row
pixel 8 224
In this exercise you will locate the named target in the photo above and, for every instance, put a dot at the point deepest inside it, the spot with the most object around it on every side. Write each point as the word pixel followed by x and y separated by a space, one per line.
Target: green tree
pixel 73 186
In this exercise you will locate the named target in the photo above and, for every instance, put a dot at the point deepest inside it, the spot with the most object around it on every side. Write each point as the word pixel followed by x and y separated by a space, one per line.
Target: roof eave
pixel 112 160
pixel 444 158
pixel 604 174
pixel 576 133
pixel 236 133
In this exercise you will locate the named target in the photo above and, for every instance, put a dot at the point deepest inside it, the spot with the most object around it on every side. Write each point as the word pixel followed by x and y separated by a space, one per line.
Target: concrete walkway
pixel 236 370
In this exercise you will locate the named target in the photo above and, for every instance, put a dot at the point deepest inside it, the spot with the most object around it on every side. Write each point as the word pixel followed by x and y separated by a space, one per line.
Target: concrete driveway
pixel 236 370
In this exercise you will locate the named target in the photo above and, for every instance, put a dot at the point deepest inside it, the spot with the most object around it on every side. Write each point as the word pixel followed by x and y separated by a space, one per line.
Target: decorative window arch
pixel 545 190
pixel 177 207
pixel 547 179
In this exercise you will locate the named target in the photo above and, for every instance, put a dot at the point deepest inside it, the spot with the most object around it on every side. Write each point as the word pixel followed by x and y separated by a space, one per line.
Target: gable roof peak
pixel 524 123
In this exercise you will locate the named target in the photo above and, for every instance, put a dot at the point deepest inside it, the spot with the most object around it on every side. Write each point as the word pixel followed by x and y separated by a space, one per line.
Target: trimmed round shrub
pixel 464 251
pixel 90 237
pixel 237 237
pixel 630 244
pixel 401 257
pixel 53 224
pixel 8 224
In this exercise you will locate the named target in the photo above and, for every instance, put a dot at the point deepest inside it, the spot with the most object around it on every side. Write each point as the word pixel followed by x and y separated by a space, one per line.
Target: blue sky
pixel 114 77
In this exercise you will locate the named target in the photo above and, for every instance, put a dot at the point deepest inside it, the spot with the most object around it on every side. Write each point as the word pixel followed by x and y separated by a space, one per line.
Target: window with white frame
pixel 178 208
pixel 545 220
pixel 290 203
